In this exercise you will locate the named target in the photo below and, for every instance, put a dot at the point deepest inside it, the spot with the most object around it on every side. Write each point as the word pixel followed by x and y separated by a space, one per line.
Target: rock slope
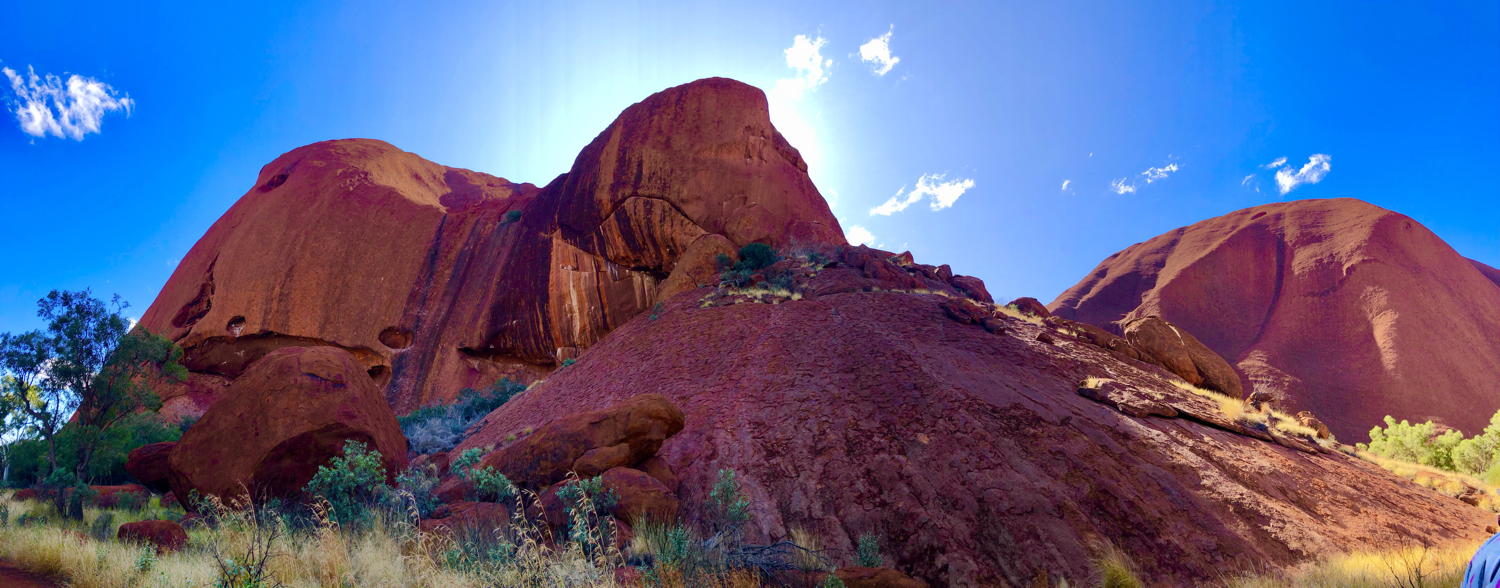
pixel 855 405
pixel 436 278
pixel 1337 306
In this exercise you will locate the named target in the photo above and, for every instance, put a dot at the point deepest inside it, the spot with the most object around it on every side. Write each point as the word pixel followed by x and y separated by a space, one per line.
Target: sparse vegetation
pixel 1409 567
pixel 352 484
pixel 487 483
pixel 439 428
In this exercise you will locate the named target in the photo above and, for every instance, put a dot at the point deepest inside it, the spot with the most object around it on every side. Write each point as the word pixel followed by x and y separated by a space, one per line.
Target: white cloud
pixel 857 235
pixel 1065 183
pixel 805 56
pixel 1275 163
pixel 1318 165
pixel 46 105
pixel 877 52
pixel 1159 173
pixel 1250 182
pixel 1119 186
pixel 943 193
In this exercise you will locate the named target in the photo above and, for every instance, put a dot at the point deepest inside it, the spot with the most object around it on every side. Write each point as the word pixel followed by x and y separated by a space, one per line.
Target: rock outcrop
pixel 1338 306
pixel 436 278
pixel 1162 343
pixel 289 413
pixel 855 405
pixel 165 536
pixel 148 465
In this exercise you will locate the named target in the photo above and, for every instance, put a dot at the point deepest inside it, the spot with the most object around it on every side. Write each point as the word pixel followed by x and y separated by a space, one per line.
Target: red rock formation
pixel 861 411
pixel 163 535
pixel 1342 307
pixel 286 415
pixel 436 278
pixel 148 465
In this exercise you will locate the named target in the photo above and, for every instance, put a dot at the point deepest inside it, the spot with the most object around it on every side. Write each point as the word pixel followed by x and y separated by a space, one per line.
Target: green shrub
pixel 588 505
pixel 129 501
pixel 832 581
pixel 4 515
pixel 352 483
pixel 421 484
pixel 867 552
pixel 728 507
pixel 1416 443
pixel 756 256
pixel 487 483
pixel 28 457
pixel 438 428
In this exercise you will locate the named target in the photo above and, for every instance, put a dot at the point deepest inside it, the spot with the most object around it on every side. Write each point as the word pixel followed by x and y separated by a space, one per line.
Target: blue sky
pixel 987 108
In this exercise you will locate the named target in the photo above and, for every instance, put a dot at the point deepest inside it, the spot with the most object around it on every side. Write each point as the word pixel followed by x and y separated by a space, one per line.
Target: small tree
pixel 352 483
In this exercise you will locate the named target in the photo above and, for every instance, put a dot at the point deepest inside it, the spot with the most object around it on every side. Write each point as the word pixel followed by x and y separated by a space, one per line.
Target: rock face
pixel 1340 307
pixel 148 465
pixel 860 408
pixel 435 278
pixel 287 414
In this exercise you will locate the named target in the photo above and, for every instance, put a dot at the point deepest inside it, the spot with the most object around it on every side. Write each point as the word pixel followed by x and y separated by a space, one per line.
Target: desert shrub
pixel 728 507
pixel 587 504
pixel 438 428
pixel 487 483
pixel 756 256
pixel 867 551
pixel 129 501
pixel 4 515
pixel 738 278
pixel 352 483
pixel 420 484
pixel 1417 443
pixel 103 527
pixel 1115 568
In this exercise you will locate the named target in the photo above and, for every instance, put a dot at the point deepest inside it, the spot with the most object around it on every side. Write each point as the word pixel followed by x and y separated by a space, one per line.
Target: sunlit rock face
pixel 1338 306
pixel 436 278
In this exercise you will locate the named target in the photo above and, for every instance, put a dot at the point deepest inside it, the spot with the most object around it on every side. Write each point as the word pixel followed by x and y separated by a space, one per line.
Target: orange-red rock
pixel 436 278
pixel 588 443
pixel 1347 309
pixel 1166 345
pixel 148 465
pixel 468 518
pixel 641 497
pixel 864 411
pixel 163 535
pixel 289 413
pixel 109 496
pixel 862 577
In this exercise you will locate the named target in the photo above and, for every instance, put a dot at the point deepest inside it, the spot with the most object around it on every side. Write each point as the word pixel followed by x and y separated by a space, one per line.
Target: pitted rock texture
pixel 435 278
pixel 291 412
pixel 870 410
pixel 1338 306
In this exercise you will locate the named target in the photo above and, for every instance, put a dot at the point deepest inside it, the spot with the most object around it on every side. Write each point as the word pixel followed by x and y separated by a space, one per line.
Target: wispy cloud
pixel 936 187
pixel 47 105
pixel 1119 186
pixel 1250 182
pixel 1159 173
pixel 857 235
pixel 1275 163
pixel 877 53
pixel 1317 166
pixel 1065 185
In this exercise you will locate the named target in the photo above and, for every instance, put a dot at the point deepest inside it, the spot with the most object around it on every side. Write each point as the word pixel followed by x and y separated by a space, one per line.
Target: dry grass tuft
pixel 1016 313
pixel 1400 568
pixel 1095 382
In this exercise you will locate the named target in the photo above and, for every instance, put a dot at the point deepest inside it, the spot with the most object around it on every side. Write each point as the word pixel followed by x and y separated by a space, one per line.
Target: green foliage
pixel 131 501
pixel 756 256
pixel 1416 443
pixel 438 428
pixel 145 561
pixel 867 552
pixel 352 483
pixel 421 483
pixel 488 484
pixel 588 505
pixel 4 515
pixel 723 262
pixel 567 362
pixel 832 581
pixel 728 507
pixel 28 457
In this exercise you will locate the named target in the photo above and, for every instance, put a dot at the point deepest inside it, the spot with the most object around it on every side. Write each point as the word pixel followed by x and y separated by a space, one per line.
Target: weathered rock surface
pixel 641 497
pixel 165 536
pixel 148 465
pixel 436 278
pixel 467 519
pixel 868 410
pixel 1344 308
pixel 861 577
pixel 290 412
pixel 1166 345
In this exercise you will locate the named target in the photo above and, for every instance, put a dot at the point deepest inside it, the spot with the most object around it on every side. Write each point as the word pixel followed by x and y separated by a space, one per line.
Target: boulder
pixel 1181 353
pixel 973 287
pixel 465 518
pixel 289 413
pixel 861 577
pixel 1030 306
pixel 1308 419
pixel 148 465
pixel 641 496
pixel 590 443
pixel 658 468
pixel 165 536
